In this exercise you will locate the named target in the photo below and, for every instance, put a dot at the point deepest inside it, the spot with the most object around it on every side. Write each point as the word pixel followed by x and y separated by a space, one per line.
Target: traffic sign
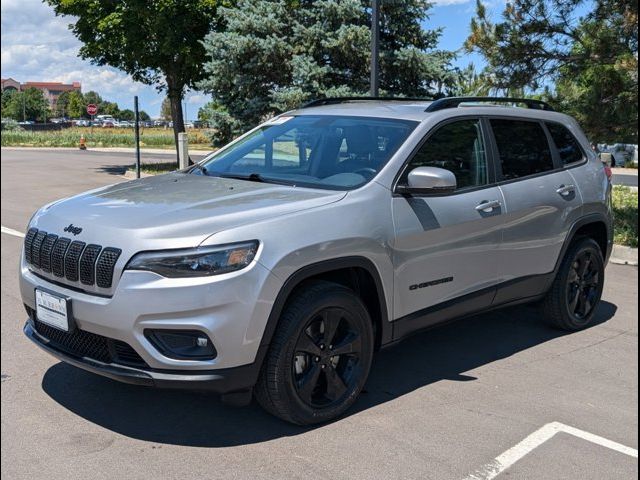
pixel 92 109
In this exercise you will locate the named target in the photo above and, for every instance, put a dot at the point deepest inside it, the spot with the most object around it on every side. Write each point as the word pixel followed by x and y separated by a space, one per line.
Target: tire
pixel 573 299
pixel 320 355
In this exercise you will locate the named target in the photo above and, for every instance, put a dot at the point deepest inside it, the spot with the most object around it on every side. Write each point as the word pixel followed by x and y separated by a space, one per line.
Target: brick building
pixel 51 90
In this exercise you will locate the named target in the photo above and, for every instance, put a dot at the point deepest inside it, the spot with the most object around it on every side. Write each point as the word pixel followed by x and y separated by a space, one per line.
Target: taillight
pixel 608 172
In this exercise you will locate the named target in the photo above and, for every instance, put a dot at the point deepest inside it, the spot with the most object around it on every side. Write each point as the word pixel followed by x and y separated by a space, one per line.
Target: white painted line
pixel 11 231
pixel 492 469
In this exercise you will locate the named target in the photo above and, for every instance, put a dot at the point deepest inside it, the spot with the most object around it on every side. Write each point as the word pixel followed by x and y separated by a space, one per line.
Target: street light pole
pixel 375 47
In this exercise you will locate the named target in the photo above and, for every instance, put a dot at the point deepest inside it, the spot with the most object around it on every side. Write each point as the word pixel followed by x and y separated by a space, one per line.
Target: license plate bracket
pixel 54 310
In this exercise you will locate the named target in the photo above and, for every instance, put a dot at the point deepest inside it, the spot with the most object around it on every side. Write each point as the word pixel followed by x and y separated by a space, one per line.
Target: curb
pixel 131 175
pixel 624 255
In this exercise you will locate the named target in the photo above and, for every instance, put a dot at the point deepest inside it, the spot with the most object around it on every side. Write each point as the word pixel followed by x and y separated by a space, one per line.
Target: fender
pixel 324 267
pixel 581 222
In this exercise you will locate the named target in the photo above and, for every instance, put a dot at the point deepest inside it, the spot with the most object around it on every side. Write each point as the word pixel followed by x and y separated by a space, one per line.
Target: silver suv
pixel 279 264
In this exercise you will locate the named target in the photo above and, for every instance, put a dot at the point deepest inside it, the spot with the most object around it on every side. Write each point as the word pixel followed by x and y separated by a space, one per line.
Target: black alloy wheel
pixel 326 360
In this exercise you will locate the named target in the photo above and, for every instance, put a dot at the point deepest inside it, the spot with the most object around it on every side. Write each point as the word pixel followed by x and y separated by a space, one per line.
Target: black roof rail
pixel 333 100
pixel 454 102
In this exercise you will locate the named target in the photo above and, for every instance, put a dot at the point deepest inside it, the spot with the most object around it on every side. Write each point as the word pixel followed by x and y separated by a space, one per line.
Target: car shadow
pixel 115 169
pixel 200 419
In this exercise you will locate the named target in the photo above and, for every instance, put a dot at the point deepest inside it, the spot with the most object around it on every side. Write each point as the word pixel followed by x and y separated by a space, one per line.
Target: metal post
pixel 137 133
pixel 375 47
pixel 183 150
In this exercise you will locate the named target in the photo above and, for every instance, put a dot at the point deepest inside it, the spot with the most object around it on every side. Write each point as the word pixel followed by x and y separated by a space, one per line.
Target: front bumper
pixel 231 309
pixel 219 381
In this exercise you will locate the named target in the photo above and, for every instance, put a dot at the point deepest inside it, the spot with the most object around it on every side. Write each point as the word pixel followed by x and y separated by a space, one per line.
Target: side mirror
pixel 429 180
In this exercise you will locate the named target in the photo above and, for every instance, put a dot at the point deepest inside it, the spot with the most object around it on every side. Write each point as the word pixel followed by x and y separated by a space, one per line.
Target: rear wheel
pixel 571 303
pixel 320 355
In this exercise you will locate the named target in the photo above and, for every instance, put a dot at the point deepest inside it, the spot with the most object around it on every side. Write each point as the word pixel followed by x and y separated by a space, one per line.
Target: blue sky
pixel 37 46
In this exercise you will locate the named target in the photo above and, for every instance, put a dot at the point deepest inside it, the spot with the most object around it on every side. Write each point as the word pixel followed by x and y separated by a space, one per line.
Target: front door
pixel 446 247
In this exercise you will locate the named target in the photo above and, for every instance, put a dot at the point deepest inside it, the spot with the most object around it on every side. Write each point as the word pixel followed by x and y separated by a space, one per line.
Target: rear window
pixel 523 147
pixel 566 144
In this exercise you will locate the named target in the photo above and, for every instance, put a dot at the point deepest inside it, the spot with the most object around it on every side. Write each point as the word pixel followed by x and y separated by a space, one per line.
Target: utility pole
pixel 375 47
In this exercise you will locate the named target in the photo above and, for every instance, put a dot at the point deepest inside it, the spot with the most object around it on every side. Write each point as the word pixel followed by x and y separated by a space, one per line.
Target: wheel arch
pixel 596 226
pixel 358 273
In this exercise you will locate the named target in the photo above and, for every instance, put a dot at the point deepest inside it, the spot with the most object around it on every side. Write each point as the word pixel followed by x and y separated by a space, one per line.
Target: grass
pixel 103 137
pixel 625 216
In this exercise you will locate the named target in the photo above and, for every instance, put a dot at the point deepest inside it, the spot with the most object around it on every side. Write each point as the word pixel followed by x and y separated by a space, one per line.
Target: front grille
pixel 74 261
pixel 90 345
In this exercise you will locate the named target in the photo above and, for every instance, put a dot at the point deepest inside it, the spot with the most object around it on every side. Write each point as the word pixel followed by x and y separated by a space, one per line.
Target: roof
pixel 416 109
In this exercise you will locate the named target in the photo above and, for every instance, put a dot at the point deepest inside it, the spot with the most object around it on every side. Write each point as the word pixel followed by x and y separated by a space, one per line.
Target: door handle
pixel 488 206
pixel 566 190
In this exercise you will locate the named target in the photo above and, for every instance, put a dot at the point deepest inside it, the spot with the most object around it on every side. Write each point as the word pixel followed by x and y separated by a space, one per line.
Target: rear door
pixel 446 246
pixel 541 199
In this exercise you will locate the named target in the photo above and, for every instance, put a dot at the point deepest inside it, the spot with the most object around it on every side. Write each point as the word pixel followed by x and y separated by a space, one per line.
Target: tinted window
pixel 457 147
pixel 567 145
pixel 317 151
pixel 523 148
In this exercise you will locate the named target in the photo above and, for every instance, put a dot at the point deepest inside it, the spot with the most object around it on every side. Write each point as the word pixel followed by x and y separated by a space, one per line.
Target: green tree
pixel 29 104
pixel 590 59
pixel 127 114
pixel 61 105
pixel 144 116
pixel 165 109
pixel 6 101
pixel 76 105
pixel 276 54
pixel 157 43
pixel 109 108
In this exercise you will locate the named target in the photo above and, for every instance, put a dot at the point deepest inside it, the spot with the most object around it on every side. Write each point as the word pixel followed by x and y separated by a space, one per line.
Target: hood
pixel 180 207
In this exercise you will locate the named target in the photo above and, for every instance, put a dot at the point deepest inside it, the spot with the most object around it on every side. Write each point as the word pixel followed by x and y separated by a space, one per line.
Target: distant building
pixel 51 90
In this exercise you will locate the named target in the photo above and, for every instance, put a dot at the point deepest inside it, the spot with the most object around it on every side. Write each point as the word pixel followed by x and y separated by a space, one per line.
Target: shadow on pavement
pixel 200 419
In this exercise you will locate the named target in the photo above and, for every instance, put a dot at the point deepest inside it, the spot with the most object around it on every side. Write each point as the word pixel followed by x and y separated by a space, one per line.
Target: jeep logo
pixel 73 229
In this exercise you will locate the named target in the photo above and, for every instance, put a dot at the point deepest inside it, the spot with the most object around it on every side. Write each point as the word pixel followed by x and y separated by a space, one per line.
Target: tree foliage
pixel 29 104
pixel 156 42
pixel 275 54
pixel 592 58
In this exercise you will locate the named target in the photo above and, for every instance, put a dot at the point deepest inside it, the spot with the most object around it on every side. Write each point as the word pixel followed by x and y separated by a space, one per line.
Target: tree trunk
pixel 175 98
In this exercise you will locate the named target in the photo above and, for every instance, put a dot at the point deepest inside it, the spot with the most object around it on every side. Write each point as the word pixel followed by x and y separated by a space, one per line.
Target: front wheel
pixel 320 355
pixel 576 292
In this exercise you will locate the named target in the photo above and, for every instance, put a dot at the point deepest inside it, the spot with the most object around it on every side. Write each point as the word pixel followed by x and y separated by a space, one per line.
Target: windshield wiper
pixel 252 177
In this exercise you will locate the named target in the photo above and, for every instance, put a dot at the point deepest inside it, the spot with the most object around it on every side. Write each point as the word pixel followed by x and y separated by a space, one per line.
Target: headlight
pixel 196 262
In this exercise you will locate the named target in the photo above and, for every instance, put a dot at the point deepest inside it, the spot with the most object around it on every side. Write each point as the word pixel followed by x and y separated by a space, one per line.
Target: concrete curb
pixel 624 255
pixel 131 175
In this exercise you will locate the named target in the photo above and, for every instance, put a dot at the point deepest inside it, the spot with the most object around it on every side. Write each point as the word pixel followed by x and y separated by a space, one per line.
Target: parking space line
pixel 492 469
pixel 11 231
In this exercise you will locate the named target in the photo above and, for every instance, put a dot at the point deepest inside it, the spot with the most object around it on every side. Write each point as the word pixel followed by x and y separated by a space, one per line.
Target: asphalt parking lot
pixel 499 395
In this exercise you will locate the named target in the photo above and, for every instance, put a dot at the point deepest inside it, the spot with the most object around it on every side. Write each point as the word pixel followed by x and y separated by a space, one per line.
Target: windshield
pixel 340 153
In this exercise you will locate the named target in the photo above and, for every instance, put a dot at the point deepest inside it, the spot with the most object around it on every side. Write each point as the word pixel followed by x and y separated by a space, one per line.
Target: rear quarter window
pixel 568 147
pixel 523 148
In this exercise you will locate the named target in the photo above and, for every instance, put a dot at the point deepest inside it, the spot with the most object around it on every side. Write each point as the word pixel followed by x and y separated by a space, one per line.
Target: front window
pixel 457 147
pixel 330 152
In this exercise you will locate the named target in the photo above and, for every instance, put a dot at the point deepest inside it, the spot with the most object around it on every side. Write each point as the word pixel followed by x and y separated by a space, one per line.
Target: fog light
pixel 182 344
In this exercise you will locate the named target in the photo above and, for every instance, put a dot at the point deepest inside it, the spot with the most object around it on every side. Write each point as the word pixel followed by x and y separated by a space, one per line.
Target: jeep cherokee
pixel 277 265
